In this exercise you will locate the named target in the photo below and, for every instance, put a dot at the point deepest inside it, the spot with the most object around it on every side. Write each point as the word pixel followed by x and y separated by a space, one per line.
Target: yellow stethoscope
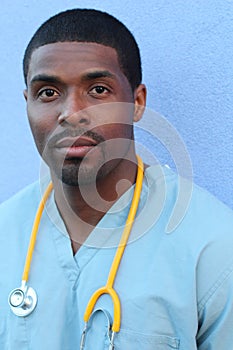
pixel 23 300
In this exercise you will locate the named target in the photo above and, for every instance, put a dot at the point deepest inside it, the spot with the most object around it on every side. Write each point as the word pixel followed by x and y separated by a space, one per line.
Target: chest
pixel 155 301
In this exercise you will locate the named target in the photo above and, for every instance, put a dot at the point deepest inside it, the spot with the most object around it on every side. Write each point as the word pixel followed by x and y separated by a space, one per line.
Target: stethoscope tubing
pixel 35 230
pixel 108 288
pixel 23 300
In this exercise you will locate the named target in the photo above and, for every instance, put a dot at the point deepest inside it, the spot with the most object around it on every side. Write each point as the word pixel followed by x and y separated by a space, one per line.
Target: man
pixel 84 92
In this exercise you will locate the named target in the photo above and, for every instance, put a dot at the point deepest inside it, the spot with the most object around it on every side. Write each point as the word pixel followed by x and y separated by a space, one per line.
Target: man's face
pixel 73 96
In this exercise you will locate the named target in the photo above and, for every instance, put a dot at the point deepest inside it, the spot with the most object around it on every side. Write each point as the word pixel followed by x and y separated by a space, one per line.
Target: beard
pixel 77 172
pixel 96 164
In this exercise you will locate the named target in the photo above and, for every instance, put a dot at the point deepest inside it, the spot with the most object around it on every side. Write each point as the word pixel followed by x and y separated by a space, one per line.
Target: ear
pixel 139 102
pixel 25 94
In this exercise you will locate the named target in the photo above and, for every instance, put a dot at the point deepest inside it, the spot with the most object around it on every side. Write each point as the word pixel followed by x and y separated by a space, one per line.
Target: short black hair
pixel 88 25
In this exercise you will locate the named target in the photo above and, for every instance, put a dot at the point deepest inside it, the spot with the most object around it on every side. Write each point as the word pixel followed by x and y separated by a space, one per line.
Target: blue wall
pixel 186 49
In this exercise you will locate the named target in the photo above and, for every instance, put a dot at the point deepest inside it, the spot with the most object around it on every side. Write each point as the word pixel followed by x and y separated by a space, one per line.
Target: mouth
pixel 78 147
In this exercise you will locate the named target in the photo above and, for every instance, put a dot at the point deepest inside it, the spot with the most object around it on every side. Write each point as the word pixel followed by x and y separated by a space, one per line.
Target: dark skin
pixel 74 88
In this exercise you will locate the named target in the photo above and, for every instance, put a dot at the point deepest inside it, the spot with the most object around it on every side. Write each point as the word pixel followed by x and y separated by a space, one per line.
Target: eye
pixel 48 94
pixel 99 90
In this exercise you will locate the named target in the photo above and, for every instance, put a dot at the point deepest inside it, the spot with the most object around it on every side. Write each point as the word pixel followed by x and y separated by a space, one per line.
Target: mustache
pixel 75 134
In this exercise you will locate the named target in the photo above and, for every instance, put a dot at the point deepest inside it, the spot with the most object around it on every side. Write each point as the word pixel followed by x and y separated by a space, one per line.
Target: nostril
pixel 61 119
pixel 73 119
pixel 83 120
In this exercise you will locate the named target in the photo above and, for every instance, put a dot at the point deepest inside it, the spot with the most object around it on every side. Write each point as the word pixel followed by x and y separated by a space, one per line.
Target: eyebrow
pixel 45 78
pixel 97 74
pixel 53 79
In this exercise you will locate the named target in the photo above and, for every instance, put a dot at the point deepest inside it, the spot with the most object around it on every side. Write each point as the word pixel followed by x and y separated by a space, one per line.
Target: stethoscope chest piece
pixel 22 300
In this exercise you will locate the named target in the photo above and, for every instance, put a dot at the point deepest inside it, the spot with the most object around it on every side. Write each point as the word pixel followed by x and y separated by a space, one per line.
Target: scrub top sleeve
pixel 216 315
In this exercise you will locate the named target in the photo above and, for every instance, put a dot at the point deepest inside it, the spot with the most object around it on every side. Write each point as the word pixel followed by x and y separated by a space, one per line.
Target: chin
pixel 74 175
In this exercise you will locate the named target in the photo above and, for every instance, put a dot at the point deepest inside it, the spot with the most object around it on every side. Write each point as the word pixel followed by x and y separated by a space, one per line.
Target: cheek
pixel 119 140
pixel 117 121
pixel 41 127
pixel 39 136
pixel 119 131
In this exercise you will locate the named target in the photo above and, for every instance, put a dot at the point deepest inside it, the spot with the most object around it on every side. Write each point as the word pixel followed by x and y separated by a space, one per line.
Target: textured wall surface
pixel 187 50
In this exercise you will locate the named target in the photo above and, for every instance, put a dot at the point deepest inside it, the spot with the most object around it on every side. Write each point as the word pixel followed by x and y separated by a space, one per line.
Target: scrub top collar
pixel 108 232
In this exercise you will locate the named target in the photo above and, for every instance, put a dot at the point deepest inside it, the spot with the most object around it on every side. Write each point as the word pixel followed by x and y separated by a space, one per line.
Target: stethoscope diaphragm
pixel 22 301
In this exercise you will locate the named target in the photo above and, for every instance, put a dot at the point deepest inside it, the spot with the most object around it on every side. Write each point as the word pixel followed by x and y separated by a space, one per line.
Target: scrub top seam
pixel 215 287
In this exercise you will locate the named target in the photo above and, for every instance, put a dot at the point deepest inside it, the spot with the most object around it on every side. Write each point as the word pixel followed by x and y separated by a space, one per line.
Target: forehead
pixel 68 58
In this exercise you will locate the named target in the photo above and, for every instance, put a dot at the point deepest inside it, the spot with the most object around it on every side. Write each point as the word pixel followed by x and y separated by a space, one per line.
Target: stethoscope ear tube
pixel 22 300
pixel 87 326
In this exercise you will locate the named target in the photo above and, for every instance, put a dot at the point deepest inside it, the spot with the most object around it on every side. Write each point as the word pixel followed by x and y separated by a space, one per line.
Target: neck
pixel 82 207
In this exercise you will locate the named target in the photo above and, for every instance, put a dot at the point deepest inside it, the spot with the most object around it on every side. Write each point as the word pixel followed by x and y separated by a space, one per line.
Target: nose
pixel 74 112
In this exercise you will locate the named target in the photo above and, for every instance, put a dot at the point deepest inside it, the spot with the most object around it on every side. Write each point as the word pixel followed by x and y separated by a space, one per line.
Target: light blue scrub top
pixel 176 289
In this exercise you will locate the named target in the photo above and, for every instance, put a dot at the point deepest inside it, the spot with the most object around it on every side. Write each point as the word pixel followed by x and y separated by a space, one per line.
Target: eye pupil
pixel 49 93
pixel 100 89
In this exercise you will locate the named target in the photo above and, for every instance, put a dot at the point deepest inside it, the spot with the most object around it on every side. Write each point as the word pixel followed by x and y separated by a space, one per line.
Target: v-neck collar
pixel 106 235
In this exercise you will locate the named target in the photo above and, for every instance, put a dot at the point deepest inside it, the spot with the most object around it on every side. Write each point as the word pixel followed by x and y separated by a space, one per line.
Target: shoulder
pixel 187 205
pixel 17 215
pixel 192 220
pixel 21 203
pixel 202 232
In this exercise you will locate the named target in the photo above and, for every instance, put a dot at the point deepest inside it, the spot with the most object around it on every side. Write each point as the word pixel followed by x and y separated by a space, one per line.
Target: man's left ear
pixel 139 102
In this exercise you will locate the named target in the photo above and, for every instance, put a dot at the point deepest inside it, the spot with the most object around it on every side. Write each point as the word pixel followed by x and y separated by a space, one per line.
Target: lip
pixel 74 142
pixel 78 147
